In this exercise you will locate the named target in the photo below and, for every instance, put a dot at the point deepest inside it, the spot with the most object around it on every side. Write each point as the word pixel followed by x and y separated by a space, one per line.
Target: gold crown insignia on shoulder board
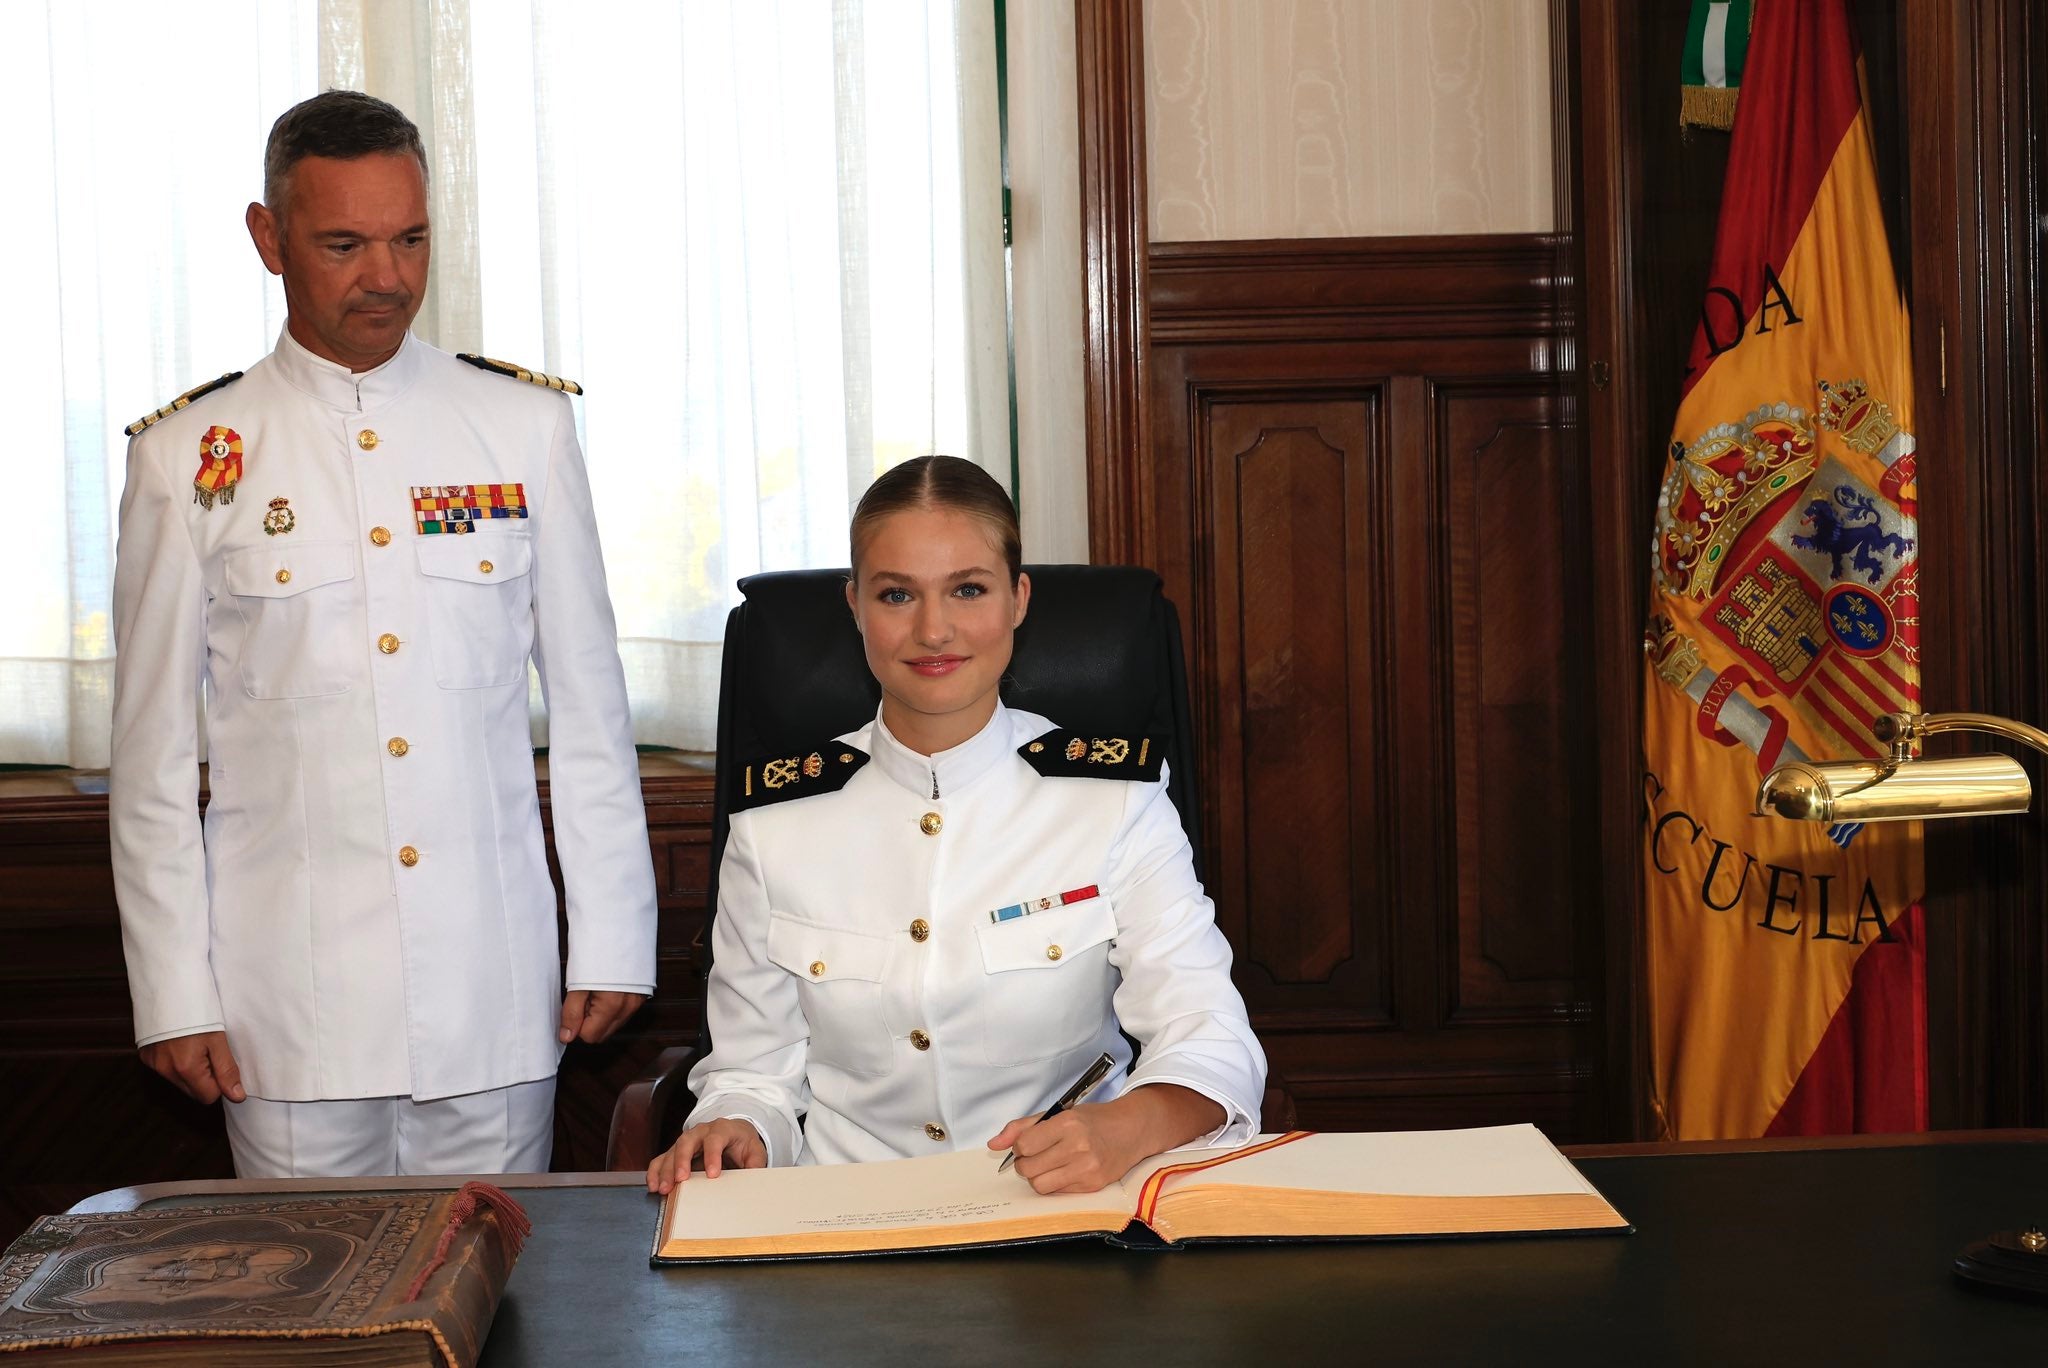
pixel 776 778
pixel 1061 753
pixel 531 377
pixel 136 428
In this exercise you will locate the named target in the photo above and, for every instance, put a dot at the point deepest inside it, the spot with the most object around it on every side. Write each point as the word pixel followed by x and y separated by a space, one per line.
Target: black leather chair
pixel 1099 652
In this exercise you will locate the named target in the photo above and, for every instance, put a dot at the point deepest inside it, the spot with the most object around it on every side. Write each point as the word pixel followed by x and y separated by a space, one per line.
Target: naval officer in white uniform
pixel 927 928
pixel 354 550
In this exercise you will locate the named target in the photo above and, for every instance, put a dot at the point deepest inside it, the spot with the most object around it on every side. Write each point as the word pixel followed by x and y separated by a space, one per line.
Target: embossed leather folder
pixel 385 1281
pixel 1305 1185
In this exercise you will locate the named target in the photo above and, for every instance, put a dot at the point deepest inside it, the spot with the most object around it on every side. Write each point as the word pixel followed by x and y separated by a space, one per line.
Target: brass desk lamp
pixel 1904 787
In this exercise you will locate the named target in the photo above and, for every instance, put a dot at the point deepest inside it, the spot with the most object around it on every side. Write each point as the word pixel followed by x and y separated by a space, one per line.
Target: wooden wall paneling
pixel 1287 493
pixel 1974 125
pixel 1362 461
pixel 1109 54
pixel 1512 560
pixel 1610 331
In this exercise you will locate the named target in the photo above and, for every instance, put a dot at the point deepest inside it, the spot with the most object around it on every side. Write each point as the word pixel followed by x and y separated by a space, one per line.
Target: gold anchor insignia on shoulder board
pixel 136 428
pixel 776 773
pixel 531 377
pixel 1113 750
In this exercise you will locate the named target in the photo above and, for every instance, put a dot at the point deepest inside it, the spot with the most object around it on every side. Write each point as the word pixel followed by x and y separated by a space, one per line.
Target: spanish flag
pixel 1787 964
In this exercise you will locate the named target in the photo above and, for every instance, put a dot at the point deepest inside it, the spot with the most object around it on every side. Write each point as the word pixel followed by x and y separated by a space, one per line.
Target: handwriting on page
pixel 948 1214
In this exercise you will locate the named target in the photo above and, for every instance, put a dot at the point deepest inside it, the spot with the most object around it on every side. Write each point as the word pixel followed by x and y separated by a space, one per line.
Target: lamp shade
pixel 1895 790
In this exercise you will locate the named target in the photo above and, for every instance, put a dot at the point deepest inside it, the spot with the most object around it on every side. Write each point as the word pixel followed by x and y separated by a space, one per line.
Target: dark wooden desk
pixel 1786 1253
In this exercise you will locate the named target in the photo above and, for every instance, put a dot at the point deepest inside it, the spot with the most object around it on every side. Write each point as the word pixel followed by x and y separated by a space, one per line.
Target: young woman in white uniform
pixel 928 928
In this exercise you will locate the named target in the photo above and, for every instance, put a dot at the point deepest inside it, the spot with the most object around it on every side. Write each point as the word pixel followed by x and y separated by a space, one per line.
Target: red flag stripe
pixel 1884 671
pixel 1867 686
pixel 1869 1072
pixel 1799 98
pixel 1847 731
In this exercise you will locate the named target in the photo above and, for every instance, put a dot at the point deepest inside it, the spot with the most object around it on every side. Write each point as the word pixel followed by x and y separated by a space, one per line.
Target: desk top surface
pixel 1821 1255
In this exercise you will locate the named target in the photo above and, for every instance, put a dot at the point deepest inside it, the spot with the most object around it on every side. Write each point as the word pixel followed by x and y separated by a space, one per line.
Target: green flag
pixel 1716 41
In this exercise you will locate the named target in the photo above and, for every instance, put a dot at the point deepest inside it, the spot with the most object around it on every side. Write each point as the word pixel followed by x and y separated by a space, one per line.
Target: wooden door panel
pixel 1367 502
pixel 1283 489
pixel 1518 684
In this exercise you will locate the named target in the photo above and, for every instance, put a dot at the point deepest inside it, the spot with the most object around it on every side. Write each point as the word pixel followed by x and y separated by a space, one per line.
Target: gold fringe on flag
pixel 1707 107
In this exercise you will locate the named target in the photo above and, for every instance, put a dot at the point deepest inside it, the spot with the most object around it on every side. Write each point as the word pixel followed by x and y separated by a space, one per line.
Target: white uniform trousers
pixel 499 1130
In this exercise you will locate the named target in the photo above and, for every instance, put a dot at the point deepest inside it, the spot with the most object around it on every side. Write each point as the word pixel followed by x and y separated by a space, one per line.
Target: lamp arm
pixel 1905 731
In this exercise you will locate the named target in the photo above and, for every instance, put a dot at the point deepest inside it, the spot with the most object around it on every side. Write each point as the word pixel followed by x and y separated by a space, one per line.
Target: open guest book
pixel 1304 1185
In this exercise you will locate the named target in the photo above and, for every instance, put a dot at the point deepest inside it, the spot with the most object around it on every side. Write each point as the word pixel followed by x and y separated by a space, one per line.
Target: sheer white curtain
pixel 764 236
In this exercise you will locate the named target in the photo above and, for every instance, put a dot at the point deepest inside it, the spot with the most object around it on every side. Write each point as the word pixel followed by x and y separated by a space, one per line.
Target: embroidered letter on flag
pixel 1787 967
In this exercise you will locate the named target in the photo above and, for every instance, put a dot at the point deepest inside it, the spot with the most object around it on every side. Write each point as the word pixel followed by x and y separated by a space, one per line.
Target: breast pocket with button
pixel 479 599
pixel 1050 982
pixel 839 981
pixel 300 610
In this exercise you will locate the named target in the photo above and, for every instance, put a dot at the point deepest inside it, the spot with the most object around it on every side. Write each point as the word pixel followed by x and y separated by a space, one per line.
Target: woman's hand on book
pixel 1086 1148
pixel 717 1145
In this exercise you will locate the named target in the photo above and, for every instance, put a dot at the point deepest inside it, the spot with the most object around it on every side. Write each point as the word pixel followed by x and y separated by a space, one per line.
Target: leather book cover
pixel 387 1279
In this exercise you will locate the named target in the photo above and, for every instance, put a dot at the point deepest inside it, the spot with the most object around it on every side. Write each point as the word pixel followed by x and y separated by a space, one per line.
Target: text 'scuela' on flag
pixel 1786 959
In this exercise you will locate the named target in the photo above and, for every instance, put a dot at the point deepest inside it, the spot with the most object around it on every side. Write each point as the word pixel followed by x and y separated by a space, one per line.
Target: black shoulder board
pixel 136 428
pixel 1061 753
pixel 779 778
pixel 531 377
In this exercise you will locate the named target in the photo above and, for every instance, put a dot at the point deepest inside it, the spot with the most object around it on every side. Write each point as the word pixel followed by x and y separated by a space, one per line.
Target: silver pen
pixel 1082 1087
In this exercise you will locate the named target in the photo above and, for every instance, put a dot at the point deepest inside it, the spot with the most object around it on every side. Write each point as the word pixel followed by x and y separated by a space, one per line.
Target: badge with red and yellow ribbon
pixel 220 467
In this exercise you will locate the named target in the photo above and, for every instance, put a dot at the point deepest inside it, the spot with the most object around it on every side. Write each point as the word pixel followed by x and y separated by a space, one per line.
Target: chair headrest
pixel 1092 655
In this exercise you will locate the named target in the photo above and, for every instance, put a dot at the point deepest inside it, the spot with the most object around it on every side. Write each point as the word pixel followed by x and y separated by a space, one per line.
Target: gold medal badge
pixel 280 519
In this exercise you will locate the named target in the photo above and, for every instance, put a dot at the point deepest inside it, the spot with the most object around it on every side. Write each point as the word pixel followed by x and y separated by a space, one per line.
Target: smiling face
pixel 351 243
pixel 937 613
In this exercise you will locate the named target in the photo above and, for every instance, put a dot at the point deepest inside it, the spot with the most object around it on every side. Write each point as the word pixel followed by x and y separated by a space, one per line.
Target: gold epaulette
pixel 531 377
pixel 1070 755
pixel 778 778
pixel 136 428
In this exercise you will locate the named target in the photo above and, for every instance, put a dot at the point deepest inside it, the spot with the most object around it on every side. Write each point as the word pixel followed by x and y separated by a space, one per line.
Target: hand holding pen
pixel 1083 1085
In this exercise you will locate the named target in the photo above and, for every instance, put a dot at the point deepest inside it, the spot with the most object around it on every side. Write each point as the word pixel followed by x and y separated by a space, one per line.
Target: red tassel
pixel 512 1220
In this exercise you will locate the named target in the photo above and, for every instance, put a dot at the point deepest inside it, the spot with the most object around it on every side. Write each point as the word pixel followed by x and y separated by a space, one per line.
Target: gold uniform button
pixel 817 968
pixel 408 857
pixel 380 536
pixel 284 577
pixel 920 1041
pixel 930 823
pixel 388 644
pixel 1052 952
pixel 397 746
pixel 367 440
pixel 485 566
pixel 934 1130
pixel 920 930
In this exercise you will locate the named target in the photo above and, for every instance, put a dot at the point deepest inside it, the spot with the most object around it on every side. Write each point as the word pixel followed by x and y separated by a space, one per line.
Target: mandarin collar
pixel 949 772
pixel 339 387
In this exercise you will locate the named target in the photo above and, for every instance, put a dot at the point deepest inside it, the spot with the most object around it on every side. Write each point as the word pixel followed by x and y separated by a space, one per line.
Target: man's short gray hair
pixel 342 124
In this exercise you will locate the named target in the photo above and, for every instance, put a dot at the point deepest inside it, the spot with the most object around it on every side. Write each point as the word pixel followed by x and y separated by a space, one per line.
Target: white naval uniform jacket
pixel 337 968
pixel 857 978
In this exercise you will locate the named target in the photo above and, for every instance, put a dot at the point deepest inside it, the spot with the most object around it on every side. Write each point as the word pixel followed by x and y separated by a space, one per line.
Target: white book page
pixel 957 1189
pixel 1489 1161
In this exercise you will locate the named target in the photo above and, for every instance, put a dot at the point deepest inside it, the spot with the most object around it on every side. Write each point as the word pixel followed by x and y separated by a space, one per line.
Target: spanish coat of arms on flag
pixel 1786 958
